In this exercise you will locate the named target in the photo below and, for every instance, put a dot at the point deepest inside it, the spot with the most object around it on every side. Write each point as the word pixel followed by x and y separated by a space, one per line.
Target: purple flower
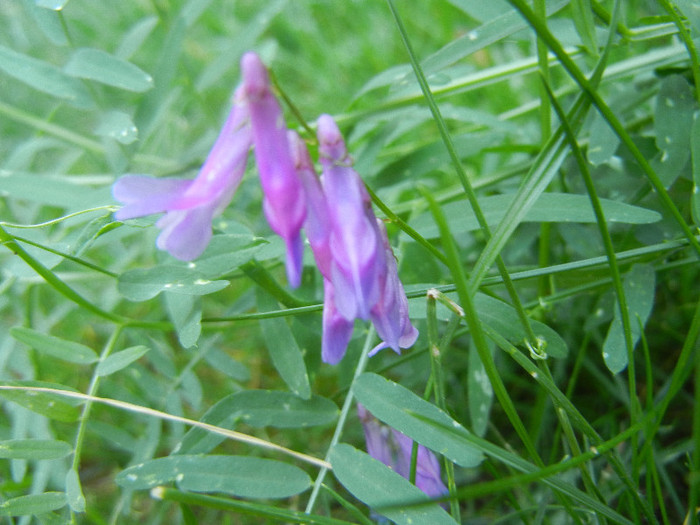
pixel 283 200
pixel 358 264
pixel 351 249
pixel 394 449
pixel 427 466
pixel 337 330
pixel 317 225
pixel 190 205
pixel 390 314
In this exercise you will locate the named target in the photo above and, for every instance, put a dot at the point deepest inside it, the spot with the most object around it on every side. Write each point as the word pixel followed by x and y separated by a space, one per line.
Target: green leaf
pixel 185 312
pixel 92 231
pixel 549 207
pixel 225 364
pixel 639 286
pixel 695 149
pixel 117 125
pixel 120 360
pixel 481 11
pixel 44 77
pixel 74 492
pixel 501 24
pixel 241 476
pixel 135 37
pixel 673 121
pixel 33 504
pixel 226 253
pixel 379 487
pixel 34 449
pixel 49 189
pixel 602 141
pixel 199 441
pixel 401 409
pixel 98 65
pixel 54 346
pixel 503 319
pixel 262 408
pixel 480 393
pixel 49 22
pixel 144 284
pixel 53 406
pixel 284 351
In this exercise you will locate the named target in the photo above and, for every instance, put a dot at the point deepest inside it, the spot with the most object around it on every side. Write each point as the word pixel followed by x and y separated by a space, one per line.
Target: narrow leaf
pixel 639 285
pixel 34 449
pixel 44 77
pixel 54 346
pixel 262 408
pixel 33 504
pixel 381 488
pixel 398 407
pixel 117 125
pixel 548 207
pixel 242 476
pixel 284 351
pixel 480 393
pixel 144 284
pixel 74 492
pixel 98 65
pixel 503 318
pixel 120 360
pixel 673 121
pixel 185 312
pixel 52 406
pixel 226 364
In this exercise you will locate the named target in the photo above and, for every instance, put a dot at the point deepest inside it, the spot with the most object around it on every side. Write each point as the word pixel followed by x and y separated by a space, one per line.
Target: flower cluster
pixel 394 449
pixel 349 243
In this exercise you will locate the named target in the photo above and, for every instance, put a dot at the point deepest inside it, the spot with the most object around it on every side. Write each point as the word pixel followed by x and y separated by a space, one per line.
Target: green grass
pixel 569 365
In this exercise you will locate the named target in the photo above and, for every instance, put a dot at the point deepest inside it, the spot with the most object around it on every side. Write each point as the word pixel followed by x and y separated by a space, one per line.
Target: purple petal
pixel 145 195
pixel 337 330
pixel 376 437
pixel 294 261
pixel 358 257
pixel 390 314
pixel 186 233
pixel 317 224
pixel 428 477
pixel 190 205
pixel 284 204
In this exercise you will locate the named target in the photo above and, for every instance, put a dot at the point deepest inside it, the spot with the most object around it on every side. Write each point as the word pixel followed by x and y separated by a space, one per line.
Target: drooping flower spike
pixel 191 204
pixel 283 199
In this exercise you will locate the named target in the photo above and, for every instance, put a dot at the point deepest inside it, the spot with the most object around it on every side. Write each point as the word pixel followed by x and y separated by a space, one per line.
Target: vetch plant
pixel 517 180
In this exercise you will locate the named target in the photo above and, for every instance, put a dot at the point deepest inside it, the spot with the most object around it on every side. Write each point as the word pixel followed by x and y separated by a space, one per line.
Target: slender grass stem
pixel 361 364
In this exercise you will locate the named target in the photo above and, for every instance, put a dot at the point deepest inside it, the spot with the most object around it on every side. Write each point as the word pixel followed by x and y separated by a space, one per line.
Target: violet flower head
pixel 390 314
pixel 394 449
pixel 357 252
pixel 191 204
pixel 283 200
